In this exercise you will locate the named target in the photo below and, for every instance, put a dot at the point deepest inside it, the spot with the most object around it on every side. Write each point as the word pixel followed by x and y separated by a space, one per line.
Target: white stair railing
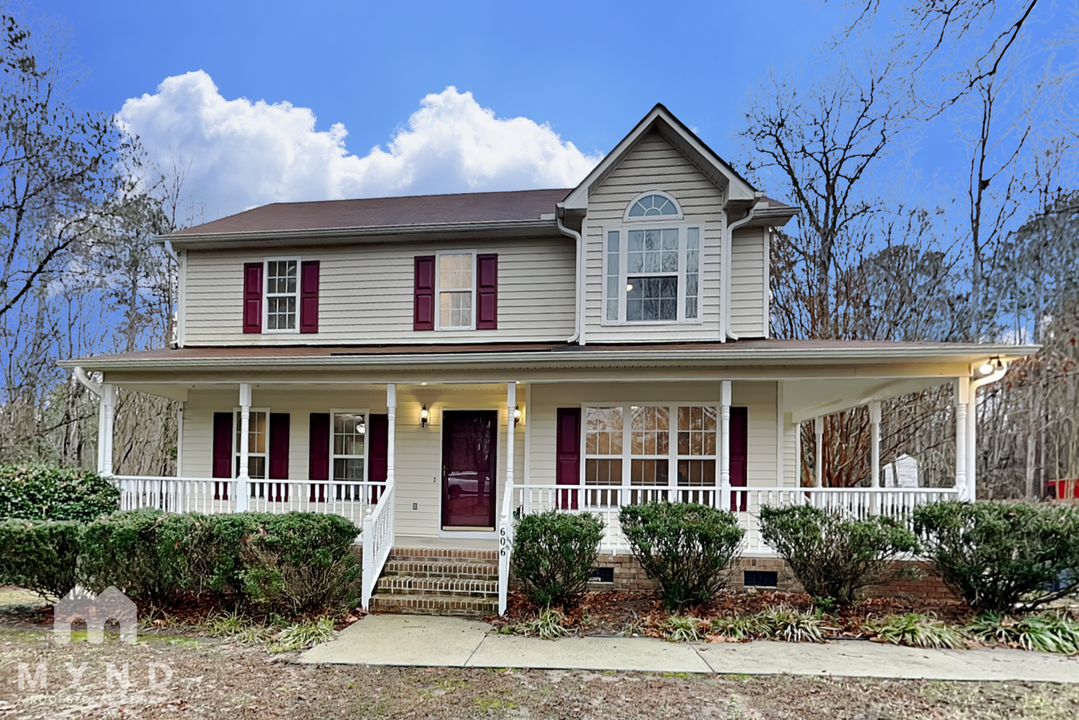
pixel 378 534
pixel 505 547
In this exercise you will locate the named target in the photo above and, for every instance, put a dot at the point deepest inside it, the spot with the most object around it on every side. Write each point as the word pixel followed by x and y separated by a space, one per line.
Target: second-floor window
pixel 652 265
pixel 282 295
pixel 456 291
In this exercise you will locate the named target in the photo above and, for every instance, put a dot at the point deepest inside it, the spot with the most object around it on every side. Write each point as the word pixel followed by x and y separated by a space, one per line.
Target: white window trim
pixel 623 274
pixel 366 441
pixel 438 291
pixel 649 218
pixel 266 296
pixel 627 457
pixel 236 448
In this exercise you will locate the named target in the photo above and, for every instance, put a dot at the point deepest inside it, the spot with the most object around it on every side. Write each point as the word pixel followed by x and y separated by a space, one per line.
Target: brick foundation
pixel 910 580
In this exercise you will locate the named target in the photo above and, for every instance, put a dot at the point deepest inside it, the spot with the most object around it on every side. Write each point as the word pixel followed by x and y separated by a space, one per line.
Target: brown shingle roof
pixel 390 211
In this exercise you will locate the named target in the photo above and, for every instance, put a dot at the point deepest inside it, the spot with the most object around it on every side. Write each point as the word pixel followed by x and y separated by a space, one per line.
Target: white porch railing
pixel 606 502
pixel 378 533
pixel 214 496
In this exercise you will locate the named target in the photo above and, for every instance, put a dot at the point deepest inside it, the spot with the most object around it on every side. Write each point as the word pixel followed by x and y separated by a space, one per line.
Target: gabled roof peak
pixel 663 121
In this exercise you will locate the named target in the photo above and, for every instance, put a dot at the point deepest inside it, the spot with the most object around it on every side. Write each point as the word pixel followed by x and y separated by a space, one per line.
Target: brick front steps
pixel 435 581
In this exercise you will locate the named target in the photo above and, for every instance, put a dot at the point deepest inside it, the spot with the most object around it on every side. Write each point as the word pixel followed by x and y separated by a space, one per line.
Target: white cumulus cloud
pixel 238 153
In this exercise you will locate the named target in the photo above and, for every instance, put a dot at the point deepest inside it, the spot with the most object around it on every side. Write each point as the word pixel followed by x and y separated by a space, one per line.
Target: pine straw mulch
pixel 616 612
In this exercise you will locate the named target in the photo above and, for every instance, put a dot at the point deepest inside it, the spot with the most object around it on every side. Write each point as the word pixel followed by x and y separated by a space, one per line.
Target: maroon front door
pixel 468 469
pixel 739 456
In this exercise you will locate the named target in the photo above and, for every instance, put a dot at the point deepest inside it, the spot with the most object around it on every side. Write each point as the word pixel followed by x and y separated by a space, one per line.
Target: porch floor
pixel 417 542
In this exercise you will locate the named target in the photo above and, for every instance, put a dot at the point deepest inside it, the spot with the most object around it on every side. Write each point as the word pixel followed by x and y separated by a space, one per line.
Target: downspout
pixel 577 294
pixel 728 252
pixel 86 382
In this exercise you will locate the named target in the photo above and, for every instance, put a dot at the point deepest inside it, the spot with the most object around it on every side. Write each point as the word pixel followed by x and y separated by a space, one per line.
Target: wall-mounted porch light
pixel 424 416
pixel 990 366
pixel 516 415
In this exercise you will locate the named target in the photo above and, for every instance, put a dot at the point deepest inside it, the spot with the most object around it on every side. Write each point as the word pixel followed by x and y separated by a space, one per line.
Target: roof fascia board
pixel 738 188
pixel 845 356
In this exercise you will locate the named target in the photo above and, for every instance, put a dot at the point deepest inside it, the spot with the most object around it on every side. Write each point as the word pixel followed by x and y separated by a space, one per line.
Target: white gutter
pixel 728 252
pixel 86 382
pixel 577 291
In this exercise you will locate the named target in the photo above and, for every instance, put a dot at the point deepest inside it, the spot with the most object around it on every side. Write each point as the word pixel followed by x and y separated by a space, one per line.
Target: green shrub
pixel 997 555
pixel 297 562
pixel 47 492
pixel 41 556
pixel 554 554
pixel 834 557
pixel 125 549
pixel 685 548
pixel 208 550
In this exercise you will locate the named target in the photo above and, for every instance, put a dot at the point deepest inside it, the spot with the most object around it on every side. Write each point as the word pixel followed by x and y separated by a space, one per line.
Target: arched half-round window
pixel 653 206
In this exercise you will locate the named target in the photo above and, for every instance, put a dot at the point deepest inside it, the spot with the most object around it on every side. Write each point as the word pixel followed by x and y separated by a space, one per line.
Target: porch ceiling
pixel 803 401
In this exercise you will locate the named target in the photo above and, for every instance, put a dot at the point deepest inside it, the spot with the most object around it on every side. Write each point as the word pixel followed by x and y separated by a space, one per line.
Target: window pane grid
pixel 693 263
pixel 614 291
pixel 281 294
pixel 455 276
pixel 257 436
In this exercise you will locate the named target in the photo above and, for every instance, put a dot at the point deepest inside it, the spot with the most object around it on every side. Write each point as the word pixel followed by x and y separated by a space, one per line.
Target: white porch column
pixel 725 444
pixel 511 403
pixel 874 427
pixel 105 429
pixel 391 434
pixel 242 476
pixel 972 443
pixel 962 393
pixel 818 428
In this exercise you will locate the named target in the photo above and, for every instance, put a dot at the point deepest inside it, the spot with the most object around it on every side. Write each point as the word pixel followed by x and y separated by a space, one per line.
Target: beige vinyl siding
pixel 654 165
pixel 749 284
pixel 366 291
pixel 418 453
pixel 758 397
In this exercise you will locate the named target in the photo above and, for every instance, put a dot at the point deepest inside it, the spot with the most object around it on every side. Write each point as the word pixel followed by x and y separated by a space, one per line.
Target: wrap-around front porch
pixel 452 464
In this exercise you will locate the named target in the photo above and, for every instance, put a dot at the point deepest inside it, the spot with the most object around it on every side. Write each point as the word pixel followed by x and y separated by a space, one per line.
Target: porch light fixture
pixel 990 365
pixel 516 415
pixel 424 416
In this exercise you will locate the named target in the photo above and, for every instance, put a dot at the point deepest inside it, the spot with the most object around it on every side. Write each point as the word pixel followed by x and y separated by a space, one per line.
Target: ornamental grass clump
pixel 917 630
pixel 834 557
pixel 1049 632
pixel 554 554
pixel 687 549
pixel 1002 557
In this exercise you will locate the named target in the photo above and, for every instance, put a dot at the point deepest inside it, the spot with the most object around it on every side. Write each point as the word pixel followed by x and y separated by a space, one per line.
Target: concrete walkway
pixel 452 642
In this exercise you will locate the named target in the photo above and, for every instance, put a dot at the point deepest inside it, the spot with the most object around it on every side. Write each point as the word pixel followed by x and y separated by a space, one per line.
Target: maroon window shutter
pixel 222 453
pixel 739 455
pixel 318 454
pixel 309 296
pixel 486 292
pixel 253 297
pixel 424 294
pixel 568 454
pixel 278 470
pixel 378 427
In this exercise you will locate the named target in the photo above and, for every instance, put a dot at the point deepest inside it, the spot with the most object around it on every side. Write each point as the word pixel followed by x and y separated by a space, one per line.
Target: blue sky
pixel 590 70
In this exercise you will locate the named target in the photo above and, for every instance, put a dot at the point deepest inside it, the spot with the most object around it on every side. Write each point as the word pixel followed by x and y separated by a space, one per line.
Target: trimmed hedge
pixel 42 556
pixel 48 492
pixel 292 562
pixel 297 562
pixel 686 548
pixel 554 554
pixel 1002 556
pixel 834 557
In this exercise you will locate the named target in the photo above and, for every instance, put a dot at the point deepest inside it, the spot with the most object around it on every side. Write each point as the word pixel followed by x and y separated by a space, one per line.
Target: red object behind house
pixel 1062 487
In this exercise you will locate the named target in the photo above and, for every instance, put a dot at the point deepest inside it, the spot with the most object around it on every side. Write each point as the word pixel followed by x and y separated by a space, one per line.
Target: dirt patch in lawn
pixel 642 614
pixel 215 679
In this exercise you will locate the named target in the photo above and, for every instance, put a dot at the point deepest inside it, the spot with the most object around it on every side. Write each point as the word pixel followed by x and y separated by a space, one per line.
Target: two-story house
pixel 432 366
